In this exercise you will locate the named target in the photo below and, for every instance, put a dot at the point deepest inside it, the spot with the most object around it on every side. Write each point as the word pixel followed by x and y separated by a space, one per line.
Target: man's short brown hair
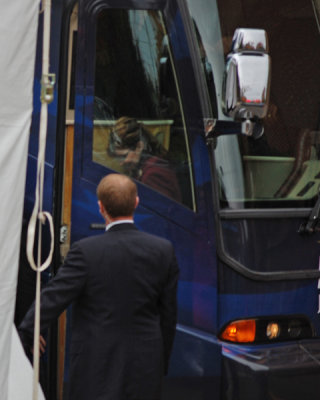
pixel 118 195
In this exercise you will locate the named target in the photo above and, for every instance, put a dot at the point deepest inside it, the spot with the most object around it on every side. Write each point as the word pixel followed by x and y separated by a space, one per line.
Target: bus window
pixel 282 168
pixel 138 122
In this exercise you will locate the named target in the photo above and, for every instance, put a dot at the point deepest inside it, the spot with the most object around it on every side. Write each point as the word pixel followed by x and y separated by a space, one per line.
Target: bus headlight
pixel 267 329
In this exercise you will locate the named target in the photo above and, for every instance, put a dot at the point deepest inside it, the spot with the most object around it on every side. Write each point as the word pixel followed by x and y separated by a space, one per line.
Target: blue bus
pixel 220 105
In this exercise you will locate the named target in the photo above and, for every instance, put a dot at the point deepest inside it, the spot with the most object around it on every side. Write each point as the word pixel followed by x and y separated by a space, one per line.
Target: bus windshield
pixel 282 168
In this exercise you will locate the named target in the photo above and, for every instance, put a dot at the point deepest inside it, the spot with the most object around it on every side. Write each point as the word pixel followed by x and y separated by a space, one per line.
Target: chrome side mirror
pixel 246 84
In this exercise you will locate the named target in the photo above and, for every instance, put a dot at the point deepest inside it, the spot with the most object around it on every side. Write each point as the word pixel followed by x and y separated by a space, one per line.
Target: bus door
pixel 137 112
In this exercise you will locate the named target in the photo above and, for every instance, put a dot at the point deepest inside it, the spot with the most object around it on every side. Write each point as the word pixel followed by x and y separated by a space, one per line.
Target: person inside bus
pixel 122 285
pixel 143 157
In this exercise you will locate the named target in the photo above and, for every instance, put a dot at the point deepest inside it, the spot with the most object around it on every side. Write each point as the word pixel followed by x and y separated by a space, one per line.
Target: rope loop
pixel 42 216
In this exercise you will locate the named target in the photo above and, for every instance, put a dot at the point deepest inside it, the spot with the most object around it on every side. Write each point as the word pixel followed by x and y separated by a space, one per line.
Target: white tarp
pixel 18 31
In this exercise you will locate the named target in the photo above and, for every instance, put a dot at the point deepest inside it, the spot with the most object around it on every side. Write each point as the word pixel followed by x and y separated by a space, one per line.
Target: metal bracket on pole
pixel 47 88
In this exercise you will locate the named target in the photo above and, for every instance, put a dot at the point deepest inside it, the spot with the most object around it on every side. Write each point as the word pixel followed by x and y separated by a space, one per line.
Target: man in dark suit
pixel 123 288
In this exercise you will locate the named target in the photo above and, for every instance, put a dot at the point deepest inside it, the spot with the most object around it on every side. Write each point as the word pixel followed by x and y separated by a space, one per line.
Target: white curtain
pixel 18 33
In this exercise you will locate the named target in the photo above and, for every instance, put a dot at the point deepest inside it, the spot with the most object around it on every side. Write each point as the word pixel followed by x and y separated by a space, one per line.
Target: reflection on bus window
pixel 138 120
pixel 282 168
pixel 143 157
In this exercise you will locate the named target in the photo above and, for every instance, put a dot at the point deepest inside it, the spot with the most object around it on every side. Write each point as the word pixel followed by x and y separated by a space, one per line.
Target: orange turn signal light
pixel 242 331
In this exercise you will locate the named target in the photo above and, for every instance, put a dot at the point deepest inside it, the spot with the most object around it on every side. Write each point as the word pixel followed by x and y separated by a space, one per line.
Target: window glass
pixel 282 168
pixel 205 22
pixel 139 127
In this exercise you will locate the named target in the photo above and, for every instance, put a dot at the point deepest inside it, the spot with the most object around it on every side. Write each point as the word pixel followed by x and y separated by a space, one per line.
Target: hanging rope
pixel 38 216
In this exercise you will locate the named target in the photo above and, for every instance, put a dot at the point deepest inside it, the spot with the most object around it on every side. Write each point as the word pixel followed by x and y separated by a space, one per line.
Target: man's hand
pixel 42 345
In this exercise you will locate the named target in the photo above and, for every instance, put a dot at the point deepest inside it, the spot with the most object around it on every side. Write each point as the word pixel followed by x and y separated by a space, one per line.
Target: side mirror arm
pixel 215 128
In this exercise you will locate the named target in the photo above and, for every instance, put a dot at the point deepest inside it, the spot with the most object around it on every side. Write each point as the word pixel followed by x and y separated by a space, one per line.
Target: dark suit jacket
pixel 123 288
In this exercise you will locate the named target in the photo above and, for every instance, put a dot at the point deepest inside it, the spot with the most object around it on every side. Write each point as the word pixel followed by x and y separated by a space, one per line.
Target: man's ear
pixel 137 202
pixel 101 209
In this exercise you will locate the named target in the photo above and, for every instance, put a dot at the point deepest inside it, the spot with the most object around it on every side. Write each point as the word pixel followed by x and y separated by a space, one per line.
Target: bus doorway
pixel 136 111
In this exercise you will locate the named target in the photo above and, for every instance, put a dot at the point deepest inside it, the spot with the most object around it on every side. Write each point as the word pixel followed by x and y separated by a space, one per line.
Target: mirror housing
pixel 246 83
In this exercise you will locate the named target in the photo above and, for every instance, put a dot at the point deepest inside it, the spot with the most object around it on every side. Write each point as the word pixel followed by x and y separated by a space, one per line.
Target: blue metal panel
pixel 195 367
pixel 289 299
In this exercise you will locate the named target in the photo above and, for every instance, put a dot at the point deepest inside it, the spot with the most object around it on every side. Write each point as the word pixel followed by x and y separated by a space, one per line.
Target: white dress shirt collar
pixel 121 221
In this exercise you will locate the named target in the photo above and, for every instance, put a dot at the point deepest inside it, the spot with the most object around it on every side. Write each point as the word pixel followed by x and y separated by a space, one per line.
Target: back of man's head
pixel 118 194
